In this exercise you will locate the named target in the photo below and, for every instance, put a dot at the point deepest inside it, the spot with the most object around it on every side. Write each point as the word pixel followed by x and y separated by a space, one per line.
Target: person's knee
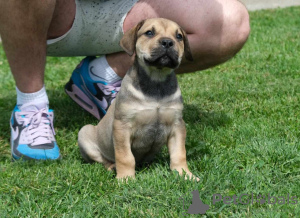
pixel 237 25
pixel 230 30
pixel 223 35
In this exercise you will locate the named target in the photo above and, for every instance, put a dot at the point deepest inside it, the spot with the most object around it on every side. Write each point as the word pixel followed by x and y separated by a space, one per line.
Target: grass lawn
pixel 243 131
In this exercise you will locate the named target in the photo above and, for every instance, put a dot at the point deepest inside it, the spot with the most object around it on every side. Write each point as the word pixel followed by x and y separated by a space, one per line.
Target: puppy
pixel 147 112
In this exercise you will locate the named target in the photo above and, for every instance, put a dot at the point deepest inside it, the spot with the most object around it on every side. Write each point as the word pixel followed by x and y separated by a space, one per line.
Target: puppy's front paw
pixel 187 174
pixel 124 178
pixel 125 174
pixel 190 176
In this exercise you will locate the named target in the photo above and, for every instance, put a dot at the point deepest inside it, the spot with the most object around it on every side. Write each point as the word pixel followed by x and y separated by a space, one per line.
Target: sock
pixel 38 99
pixel 99 69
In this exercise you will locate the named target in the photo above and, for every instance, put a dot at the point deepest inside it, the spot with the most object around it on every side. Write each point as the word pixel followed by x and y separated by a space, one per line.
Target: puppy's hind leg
pixel 87 143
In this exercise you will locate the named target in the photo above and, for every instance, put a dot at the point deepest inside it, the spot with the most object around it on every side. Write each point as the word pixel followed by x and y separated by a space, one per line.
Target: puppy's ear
pixel 187 49
pixel 129 39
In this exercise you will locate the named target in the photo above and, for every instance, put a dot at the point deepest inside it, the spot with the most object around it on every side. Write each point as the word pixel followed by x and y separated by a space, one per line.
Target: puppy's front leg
pixel 125 161
pixel 177 151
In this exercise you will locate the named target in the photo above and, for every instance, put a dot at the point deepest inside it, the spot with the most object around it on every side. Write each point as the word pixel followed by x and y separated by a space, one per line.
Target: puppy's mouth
pixel 163 58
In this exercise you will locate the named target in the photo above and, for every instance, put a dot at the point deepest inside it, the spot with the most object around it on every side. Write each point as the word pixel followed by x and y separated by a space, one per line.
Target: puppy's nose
pixel 167 43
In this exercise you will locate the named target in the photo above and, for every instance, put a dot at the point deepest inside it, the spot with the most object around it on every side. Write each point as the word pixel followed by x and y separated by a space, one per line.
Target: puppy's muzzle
pixel 164 55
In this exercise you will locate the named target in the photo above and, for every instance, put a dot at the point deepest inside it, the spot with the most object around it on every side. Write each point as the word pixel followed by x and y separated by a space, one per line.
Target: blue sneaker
pixel 32 133
pixel 95 96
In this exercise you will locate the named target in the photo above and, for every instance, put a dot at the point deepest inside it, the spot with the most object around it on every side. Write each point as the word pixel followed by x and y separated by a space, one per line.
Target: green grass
pixel 243 131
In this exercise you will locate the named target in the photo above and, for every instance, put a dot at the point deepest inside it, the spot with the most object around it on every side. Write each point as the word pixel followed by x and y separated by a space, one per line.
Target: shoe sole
pixel 24 158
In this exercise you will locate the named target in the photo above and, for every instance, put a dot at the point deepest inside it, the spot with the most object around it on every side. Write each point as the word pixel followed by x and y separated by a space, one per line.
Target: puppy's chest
pixel 143 111
pixel 151 122
pixel 152 113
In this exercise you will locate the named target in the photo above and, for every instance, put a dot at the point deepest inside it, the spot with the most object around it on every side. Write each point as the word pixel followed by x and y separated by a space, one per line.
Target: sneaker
pixel 94 96
pixel 32 133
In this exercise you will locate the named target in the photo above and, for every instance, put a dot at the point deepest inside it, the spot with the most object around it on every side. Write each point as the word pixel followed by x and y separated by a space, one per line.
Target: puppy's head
pixel 158 43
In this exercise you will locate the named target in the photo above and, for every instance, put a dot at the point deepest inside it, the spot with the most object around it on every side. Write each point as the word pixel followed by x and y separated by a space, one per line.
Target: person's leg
pixel 217 29
pixel 24 27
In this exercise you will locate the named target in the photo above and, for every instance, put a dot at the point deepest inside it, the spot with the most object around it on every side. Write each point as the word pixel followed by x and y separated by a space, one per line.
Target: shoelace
pixel 113 88
pixel 39 127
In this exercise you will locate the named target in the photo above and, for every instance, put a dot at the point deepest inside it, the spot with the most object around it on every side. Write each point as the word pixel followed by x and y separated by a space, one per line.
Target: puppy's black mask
pixel 163 57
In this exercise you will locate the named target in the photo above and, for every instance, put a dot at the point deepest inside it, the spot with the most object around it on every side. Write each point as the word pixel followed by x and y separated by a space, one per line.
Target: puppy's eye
pixel 179 36
pixel 149 33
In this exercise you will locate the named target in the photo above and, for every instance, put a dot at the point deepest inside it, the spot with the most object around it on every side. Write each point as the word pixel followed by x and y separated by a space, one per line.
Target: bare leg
pixel 217 29
pixel 120 62
pixel 24 26
pixel 24 29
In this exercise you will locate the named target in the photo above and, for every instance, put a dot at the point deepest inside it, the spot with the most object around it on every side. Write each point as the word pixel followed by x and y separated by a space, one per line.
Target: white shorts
pixel 97 29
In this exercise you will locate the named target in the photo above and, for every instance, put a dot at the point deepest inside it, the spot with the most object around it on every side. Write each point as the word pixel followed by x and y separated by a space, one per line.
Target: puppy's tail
pixel 87 143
